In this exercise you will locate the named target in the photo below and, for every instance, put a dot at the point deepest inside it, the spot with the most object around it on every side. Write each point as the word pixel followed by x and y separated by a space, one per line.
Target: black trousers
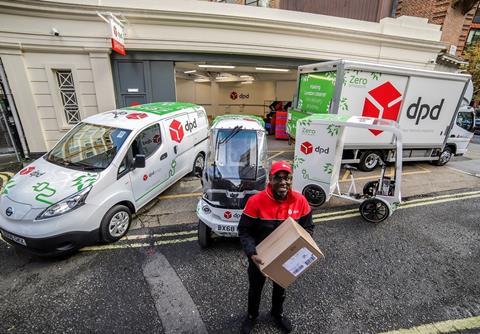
pixel 257 280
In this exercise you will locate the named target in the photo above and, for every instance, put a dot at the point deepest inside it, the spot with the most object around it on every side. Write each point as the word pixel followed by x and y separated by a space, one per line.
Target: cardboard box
pixel 287 252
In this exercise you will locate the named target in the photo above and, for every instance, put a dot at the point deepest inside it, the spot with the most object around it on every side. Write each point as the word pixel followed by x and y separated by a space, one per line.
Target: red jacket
pixel 263 214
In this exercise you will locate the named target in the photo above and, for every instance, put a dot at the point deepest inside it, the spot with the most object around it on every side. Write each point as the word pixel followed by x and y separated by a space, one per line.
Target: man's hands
pixel 256 259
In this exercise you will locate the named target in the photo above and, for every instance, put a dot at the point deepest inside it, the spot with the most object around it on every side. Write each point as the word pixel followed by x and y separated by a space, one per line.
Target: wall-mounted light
pixel 272 69
pixel 216 66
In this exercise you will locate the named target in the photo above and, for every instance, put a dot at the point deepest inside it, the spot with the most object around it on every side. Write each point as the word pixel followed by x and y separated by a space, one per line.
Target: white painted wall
pixel 29 51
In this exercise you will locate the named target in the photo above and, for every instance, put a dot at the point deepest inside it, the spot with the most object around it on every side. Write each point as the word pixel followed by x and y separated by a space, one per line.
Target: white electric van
pixel 102 171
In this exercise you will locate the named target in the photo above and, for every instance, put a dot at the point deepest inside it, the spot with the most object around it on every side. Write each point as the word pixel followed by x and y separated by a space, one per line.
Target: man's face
pixel 281 183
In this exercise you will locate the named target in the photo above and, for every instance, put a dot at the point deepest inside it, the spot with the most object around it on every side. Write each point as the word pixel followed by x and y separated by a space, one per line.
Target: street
pixel 419 267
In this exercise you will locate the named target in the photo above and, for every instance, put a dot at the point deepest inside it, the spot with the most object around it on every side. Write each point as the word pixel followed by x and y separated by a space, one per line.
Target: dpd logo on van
pixel 419 111
pixel 234 95
pixel 383 102
pixel 176 131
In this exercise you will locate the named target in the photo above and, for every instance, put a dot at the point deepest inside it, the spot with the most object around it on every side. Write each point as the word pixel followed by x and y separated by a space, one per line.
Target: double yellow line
pixel 324 217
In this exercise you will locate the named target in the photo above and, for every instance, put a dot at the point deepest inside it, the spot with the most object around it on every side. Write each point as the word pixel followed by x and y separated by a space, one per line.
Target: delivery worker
pixel 263 213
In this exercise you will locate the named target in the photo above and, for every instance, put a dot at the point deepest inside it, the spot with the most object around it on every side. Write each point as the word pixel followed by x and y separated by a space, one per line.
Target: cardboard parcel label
pixel 287 253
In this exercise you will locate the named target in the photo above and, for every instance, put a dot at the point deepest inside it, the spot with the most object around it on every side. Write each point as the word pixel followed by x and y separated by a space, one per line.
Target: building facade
pixel 58 66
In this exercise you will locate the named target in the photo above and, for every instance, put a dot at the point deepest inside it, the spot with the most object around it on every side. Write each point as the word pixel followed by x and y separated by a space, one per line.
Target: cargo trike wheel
pixel 115 223
pixel 204 235
pixel 374 210
pixel 370 188
pixel 314 195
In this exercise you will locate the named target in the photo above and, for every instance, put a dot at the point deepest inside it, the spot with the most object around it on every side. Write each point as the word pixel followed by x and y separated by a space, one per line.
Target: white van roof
pixel 246 121
pixel 137 117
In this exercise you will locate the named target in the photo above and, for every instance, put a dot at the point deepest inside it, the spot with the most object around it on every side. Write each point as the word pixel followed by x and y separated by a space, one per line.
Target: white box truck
pixel 424 103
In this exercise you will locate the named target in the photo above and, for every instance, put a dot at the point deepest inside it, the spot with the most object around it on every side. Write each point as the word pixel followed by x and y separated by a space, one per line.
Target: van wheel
pixel 204 235
pixel 314 194
pixel 198 165
pixel 115 223
pixel 374 210
pixel 445 156
pixel 369 161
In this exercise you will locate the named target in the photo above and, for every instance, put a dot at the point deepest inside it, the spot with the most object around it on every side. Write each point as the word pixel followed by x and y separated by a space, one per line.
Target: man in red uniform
pixel 263 213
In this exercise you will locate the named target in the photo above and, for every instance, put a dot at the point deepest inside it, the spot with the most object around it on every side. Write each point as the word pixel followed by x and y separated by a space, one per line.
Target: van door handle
pixel 175 149
pixel 163 156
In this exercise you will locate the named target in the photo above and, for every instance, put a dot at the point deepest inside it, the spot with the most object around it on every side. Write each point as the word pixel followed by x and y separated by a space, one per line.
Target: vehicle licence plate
pixel 227 228
pixel 12 237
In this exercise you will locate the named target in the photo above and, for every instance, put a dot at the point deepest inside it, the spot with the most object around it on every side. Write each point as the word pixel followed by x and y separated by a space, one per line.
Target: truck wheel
pixel 445 156
pixel 198 165
pixel 368 161
pixel 204 234
pixel 115 223
pixel 370 188
pixel 314 194
pixel 374 210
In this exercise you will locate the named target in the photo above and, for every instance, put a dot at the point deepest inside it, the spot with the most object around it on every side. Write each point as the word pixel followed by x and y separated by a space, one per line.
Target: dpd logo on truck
pixel 419 111
pixel 383 102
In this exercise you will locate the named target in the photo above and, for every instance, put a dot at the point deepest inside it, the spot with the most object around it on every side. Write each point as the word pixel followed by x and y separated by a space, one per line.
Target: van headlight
pixel 65 205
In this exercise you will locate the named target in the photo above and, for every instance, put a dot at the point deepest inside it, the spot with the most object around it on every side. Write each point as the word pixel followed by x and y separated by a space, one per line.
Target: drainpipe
pixel 13 108
pixel 394 8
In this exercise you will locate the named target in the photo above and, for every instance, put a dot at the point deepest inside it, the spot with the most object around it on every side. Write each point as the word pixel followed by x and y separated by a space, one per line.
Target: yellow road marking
pixel 442 327
pixel 403 206
pixel 144 236
pixel 275 155
pixel 389 175
pixel 409 202
pixel 285 151
pixel 180 196
pixel 137 245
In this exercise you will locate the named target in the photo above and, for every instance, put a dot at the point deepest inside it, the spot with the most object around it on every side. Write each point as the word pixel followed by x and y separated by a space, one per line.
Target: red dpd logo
pixel 27 170
pixel 176 131
pixel 388 98
pixel 306 147
pixel 137 115
pixel 233 95
pixel 227 215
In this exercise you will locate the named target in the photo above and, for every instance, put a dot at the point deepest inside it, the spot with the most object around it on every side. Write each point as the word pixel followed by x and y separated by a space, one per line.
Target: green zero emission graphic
pixel 84 181
pixel 44 192
pixel 316 91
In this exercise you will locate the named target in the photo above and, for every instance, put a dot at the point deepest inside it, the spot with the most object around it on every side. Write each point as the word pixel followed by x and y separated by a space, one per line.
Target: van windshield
pixel 88 147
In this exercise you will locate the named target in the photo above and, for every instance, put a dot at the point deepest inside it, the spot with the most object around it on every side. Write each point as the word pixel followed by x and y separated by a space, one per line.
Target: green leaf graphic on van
pixel 305 122
pixel 344 104
pixel 45 191
pixel 376 75
pixel 328 168
pixel 84 181
pixel 10 184
pixel 333 130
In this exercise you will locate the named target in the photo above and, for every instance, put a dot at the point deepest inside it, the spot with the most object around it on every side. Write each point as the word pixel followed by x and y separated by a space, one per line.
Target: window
pixel 68 95
pixel 148 141
pixel 465 120
pixel 473 36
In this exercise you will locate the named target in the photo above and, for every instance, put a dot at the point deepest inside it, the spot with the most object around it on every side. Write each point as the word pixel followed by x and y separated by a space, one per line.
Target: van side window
pixel 465 120
pixel 148 141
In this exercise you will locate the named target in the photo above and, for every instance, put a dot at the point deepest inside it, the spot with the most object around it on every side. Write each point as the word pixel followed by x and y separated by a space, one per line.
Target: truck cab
pixel 462 131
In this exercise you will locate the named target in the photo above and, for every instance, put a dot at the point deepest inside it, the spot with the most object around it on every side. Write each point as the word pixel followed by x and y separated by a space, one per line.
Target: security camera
pixel 55 32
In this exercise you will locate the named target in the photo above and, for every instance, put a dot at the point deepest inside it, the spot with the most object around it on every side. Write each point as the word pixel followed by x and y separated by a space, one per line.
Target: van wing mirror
pixel 139 161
